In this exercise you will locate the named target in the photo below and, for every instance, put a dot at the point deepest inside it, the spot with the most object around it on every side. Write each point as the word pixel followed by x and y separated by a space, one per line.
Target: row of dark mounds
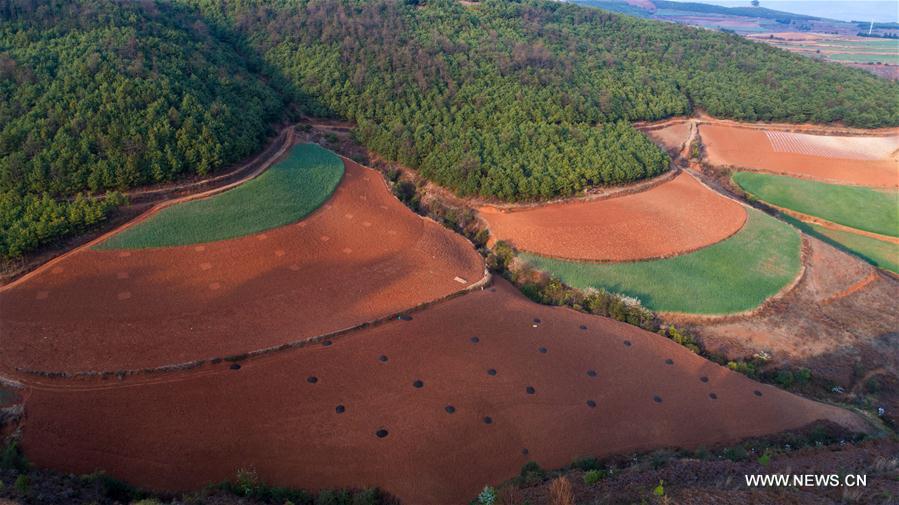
pixel 492 372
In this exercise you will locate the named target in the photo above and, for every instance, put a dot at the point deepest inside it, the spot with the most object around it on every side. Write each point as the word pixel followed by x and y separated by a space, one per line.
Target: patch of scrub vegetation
pixel 865 209
pixel 877 252
pixel 734 275
pixel 288 191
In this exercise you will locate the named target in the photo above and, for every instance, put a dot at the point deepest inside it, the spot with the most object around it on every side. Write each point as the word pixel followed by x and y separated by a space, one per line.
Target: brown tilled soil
pixel 677 216
pixel 430 409
pixel 750 149
pixel 722 482
pixel 362 256
pixel 672 136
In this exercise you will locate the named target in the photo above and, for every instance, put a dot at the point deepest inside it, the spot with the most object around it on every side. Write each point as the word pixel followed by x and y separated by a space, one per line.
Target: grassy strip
pixel 733 275
pixel 288 191
pixel 866 209
pixel 877 252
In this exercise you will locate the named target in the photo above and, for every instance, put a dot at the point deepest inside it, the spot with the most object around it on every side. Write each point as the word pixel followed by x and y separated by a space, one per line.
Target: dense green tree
pixel 531 99
pixel 515 100
pixel 98 95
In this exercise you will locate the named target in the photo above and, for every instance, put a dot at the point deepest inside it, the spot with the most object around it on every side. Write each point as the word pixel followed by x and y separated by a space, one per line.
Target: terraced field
pixel 288 191
pixel 362 256
pixel 734 275
pixel 459 395
pixel 849 160
pixel 876 211
pixel 671 218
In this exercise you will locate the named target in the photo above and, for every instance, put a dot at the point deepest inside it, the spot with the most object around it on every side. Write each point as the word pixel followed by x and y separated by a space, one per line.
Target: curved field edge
pixel 876 252
pixel 288 191
pixel 867 209
pixel 734 275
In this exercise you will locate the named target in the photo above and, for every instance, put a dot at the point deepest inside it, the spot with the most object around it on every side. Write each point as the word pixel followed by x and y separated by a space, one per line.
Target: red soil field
pixel 675 217
pixel 362 256
pixel 599 387
pixel 671 137
pixel 753 149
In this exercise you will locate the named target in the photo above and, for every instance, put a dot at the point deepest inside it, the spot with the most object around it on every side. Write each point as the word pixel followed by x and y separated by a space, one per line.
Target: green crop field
pixel 877 252
pixel 734 275
pixel 288 191
pixel 891 58
pixel 866 209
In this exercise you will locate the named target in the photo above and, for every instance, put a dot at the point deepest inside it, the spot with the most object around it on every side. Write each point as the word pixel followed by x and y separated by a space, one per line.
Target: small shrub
pixel 872 386
pixel 737 453
pixel 586 464
pixel 22 483
pixel 246 481
pixel 660 489
pixel 592 477
pixel 531 473
pixel 11 458
pixel 784 379
pixel 480 238
pixel 333 497
pixel 367 497
pixel 746 368
pixel 561 492
pixel 765 458
pixel 532 291
pixel 487 496
pixel 501 256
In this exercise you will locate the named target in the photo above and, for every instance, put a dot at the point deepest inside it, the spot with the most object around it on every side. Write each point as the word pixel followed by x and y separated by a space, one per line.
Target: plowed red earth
pixel 752 149
pixel 185 429
pixel 674 217
pixel 671 137
pixel 362 256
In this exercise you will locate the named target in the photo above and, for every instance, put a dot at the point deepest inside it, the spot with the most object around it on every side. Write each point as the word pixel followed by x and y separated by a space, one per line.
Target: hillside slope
pixel 97 95
pixel 502 99
pixel 508 100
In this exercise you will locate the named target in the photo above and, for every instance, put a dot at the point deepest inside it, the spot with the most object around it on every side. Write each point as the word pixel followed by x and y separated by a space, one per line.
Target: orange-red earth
pixel 360 257
pixel 674 217
pixel 430 409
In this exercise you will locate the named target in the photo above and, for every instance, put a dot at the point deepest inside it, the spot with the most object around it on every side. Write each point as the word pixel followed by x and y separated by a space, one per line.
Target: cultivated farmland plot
pixel 465 391
pixel 863 161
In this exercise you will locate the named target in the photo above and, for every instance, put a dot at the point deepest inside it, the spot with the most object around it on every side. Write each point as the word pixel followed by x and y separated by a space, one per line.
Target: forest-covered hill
pixel 531 99
pixel 98 95
pixel 505 99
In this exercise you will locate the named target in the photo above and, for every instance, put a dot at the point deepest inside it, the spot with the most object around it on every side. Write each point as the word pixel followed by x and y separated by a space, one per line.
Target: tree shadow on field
pixel 811 231
pixel 299 101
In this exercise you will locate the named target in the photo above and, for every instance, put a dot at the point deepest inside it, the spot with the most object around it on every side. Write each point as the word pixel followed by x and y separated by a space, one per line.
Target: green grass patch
pixel 891 58
pixel 866 209
pixel 876 252
pixel 288 191
pixel 734 275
